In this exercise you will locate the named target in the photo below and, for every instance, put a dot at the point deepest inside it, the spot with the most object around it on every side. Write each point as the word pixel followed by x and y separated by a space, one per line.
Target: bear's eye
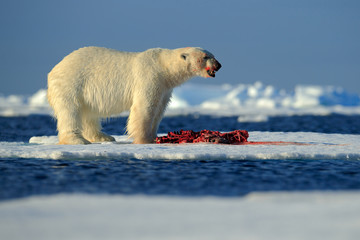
pixel 206 57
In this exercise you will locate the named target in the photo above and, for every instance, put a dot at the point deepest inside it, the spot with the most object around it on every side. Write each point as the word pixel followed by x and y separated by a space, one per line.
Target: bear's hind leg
pixel 92 130
pixel 69 129
pixel 72 139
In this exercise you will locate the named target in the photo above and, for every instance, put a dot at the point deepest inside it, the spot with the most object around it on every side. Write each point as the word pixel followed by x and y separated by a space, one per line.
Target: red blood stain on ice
pixel 237 137
pixel 189 136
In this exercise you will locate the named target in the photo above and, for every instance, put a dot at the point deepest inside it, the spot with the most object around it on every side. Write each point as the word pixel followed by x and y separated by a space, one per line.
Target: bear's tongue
pixel 210 72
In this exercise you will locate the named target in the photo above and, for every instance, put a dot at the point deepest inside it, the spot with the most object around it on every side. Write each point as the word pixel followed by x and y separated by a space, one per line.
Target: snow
pixel 241 99
pixel 273 215
pixel 317 146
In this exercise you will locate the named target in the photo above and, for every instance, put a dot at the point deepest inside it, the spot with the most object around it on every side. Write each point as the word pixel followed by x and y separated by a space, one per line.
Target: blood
pixel 275 143
pixel 189 136
pixel 237 137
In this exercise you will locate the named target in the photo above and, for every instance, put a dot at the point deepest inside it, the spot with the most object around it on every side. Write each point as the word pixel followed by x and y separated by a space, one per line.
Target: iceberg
pixel 224 100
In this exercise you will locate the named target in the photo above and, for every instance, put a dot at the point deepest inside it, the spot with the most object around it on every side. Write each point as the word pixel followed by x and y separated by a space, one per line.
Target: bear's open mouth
pixel 211 72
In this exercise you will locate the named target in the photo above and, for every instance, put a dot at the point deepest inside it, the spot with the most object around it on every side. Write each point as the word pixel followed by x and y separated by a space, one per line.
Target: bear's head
pixel 200 62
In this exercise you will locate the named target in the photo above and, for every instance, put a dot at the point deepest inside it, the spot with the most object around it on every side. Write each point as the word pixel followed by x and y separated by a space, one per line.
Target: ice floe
pixel 312 146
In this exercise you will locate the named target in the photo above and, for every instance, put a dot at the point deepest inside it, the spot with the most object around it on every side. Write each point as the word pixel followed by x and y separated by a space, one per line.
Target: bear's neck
pixel 176 78
pixel 175 73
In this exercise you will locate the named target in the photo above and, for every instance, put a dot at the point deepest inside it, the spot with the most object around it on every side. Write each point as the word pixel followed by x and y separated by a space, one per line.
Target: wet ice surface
pixel 270 216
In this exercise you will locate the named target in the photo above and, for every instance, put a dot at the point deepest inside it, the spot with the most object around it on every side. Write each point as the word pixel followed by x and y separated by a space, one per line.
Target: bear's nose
pixel 217 65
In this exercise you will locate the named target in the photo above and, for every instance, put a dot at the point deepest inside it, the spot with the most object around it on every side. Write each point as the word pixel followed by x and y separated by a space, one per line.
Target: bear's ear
pixel 184 56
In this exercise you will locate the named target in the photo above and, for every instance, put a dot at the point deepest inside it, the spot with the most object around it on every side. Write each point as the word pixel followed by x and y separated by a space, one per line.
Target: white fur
pixel 93 83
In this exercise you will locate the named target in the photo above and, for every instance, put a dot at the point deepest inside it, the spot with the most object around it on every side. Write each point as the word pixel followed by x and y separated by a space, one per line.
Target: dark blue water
pixel 27 177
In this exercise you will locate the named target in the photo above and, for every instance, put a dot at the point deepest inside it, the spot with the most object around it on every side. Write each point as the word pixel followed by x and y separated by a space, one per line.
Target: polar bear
pixel 92 83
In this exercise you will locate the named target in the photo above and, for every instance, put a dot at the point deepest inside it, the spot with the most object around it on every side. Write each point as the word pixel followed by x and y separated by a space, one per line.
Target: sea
pixel 254 107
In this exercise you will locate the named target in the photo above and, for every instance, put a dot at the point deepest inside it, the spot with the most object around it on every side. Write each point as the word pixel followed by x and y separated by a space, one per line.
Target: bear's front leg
pixel 142 115
pixel 160 112
pixel 69 125
pixel 139 125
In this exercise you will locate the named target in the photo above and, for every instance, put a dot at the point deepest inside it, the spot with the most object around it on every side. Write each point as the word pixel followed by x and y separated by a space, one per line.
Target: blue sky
pixel 279 42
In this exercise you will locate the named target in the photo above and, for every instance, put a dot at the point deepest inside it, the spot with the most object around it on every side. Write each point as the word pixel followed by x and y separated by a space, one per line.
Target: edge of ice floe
pixel 322 147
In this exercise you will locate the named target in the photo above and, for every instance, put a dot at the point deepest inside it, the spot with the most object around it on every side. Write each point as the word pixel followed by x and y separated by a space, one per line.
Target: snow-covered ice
pixel 270 216
pixel 321 146
pixel 242 99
